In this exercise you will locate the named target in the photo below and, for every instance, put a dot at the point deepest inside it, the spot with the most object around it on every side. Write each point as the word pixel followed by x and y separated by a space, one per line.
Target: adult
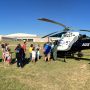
pixel 19 55
pixel 54 51
pixel 24 48
pixel 47 51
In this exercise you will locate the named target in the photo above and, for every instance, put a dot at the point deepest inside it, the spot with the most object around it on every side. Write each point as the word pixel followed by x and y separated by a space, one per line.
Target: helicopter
pixel 68 43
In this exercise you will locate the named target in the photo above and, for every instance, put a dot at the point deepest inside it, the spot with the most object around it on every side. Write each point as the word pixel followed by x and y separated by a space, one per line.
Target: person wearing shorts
pixel 47 51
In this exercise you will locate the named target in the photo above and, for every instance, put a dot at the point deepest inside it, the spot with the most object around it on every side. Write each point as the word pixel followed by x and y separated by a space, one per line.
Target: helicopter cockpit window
pixel 73 34
pixel 62 36
pixel 67 35
pixel 61 42
pixel 66 41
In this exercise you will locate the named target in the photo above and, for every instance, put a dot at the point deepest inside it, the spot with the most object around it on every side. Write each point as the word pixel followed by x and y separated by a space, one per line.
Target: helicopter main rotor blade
pixel 85 30
pixel 49 34
pixel 48 20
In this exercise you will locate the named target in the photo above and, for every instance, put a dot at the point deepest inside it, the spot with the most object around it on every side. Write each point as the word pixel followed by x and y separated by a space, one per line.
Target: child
pixel 33 54
pixel 8 56
pixel 3 52
pixel 3 56
pixel 30 51
pixel 37 54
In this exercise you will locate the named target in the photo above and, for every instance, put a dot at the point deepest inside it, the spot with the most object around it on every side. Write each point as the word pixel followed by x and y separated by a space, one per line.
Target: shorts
pixel 46 54
pixel 8 60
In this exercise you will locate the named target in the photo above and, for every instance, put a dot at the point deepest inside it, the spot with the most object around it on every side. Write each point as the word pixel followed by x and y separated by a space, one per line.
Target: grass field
pixel 73 75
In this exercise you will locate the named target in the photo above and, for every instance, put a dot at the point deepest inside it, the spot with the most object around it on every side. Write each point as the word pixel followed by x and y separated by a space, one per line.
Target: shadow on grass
pixel 26 61
pixel 13 61
pixel 0 60
pixel 75 58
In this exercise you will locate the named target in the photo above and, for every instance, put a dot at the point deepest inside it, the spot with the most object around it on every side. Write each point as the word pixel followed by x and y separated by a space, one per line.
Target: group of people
pixel 49 50
pixel 34 52
pixel 21 53
pixel 20 50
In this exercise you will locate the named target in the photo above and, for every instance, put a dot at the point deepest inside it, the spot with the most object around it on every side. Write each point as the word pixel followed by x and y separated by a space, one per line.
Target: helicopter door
pixel 67 41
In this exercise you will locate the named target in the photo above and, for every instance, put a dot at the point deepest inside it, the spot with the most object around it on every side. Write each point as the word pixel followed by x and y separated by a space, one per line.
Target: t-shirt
pixel 38 53
pixel 19 52
pixel 30 50
pixel 33 54
pixel 24 47
pixel 7 56
pixel 47 49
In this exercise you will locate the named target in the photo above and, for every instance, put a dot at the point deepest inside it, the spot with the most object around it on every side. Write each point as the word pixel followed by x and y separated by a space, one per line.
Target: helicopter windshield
pixel 67 35
pixel 61 42
pixel 63 36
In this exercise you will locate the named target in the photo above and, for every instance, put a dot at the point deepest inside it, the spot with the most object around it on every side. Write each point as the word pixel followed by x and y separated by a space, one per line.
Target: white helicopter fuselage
pixel 67 40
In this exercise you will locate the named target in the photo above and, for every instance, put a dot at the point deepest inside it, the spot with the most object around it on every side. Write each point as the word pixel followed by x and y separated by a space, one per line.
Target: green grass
pixel 73 75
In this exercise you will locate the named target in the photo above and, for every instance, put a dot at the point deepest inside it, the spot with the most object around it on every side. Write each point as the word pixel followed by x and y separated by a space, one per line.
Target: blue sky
pixel 20 16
